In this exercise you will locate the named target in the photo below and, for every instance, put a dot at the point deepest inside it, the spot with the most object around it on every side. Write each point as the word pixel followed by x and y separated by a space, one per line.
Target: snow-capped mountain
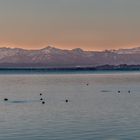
pixel 55 57
pixel 129 51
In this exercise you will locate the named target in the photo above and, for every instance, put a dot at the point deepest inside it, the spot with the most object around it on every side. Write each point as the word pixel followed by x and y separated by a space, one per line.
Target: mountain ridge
pixel 55 57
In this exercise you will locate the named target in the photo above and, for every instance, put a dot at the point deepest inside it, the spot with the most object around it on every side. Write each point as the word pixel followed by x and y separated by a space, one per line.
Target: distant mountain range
pixel 54 57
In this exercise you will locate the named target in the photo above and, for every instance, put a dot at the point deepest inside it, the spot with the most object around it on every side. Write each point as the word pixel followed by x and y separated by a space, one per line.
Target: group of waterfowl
pixel 120 91
pixel 41 99
pixel 43 102
pixel 66 100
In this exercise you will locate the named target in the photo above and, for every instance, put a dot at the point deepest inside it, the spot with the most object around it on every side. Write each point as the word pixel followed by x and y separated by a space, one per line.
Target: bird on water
pixel 66 100
pixel 43 102
pixel 5 99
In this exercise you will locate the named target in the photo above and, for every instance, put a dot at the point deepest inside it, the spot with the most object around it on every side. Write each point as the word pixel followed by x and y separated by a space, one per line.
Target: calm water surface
pixel 94 112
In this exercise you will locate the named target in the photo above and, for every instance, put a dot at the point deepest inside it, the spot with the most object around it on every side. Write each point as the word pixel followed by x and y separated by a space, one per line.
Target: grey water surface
pixel 94 111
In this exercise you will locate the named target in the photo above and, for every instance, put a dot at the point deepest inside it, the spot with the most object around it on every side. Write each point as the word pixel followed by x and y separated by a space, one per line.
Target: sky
pixel 68 24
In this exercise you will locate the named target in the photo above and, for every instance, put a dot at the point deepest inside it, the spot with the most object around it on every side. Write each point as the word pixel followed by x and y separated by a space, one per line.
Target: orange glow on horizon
pixel 93 25
pixel 67 47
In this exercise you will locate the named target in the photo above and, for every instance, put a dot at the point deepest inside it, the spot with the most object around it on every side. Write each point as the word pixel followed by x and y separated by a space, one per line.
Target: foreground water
pixel 94 112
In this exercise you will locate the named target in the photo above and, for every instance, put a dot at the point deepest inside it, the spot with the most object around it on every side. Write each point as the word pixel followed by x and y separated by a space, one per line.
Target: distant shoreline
pixel 122 67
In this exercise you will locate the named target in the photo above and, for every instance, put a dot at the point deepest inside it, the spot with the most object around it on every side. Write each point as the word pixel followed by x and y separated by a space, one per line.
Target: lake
pixel 101 106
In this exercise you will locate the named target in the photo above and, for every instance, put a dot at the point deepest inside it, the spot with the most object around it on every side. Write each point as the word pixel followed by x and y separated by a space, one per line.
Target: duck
pixel 43 102
pixel 5 99
pixel 66 100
